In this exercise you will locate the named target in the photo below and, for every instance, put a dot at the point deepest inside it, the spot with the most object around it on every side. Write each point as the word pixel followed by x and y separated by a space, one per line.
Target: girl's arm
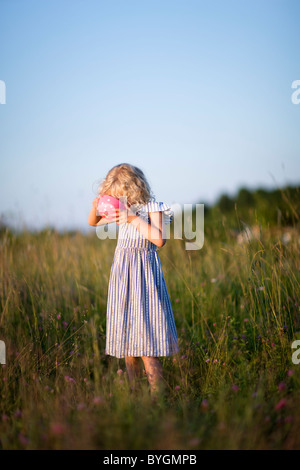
pixel 154 231
pixel 94 220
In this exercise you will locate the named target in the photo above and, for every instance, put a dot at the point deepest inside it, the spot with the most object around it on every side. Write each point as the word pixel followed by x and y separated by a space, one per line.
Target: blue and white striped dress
pixel 140 319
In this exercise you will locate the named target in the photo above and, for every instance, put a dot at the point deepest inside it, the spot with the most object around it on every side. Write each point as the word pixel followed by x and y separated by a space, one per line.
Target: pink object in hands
pixel 107 206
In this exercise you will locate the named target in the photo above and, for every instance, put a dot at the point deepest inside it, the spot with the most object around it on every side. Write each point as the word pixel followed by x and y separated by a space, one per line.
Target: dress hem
pixel 122 356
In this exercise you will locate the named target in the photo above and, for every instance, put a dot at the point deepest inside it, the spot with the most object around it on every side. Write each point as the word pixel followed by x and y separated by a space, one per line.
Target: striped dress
pixel 140 319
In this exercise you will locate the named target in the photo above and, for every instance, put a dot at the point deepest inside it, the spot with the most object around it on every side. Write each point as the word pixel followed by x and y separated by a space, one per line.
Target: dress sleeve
pixel 154 206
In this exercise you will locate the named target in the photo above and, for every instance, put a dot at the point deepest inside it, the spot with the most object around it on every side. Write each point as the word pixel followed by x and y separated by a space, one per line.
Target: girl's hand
pixel 95 203
pixel 124 216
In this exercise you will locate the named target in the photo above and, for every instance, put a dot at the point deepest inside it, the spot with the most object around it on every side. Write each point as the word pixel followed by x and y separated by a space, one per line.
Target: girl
pixel 140 322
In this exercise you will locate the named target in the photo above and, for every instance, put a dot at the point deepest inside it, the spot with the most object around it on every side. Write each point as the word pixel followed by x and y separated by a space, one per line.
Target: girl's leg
pixel 154 373
pixel 133 367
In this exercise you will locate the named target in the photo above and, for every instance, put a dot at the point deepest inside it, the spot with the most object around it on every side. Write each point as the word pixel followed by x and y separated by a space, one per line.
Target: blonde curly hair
pixel 125 180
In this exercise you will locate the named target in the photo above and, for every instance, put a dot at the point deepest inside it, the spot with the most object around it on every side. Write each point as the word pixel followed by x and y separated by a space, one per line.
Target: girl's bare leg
pixel 134 370
pixel 154 373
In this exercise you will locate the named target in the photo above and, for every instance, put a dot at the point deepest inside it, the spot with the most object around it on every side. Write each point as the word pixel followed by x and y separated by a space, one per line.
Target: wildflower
pixel 281 386
pixel 177 300
pixel 204 404
pixel 246 320
pixel 290 372
pixel 235 388
pixel 261 288
pixel 23 439
pixel 216 360
pixel 213 280
pixel 119 372
pixel 184 356
pixel 18 414
pixel 281 404
pixel 177 387
pixel 98 400
pixel 4 417
pixel 57 429
pixel 70 379
pixel 58 317
pixel 214 324
pixel 80 406
pixel 207 360
pixel 194 442
pixel 221 426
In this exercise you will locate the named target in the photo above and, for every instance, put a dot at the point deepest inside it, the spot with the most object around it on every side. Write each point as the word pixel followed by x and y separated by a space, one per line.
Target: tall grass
pixel 232 386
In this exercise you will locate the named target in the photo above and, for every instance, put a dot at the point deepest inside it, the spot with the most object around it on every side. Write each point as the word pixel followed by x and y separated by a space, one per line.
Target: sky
pixel 198 94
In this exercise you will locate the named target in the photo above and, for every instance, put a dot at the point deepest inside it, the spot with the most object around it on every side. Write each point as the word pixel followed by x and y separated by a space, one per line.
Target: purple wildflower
pixel 281 386
pixel 281 404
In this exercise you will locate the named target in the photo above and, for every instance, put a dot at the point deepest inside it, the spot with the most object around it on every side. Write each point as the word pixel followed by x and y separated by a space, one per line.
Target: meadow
pixel 233 384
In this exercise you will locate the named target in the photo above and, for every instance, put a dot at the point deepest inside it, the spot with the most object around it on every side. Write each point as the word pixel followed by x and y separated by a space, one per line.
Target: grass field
pixel 233 384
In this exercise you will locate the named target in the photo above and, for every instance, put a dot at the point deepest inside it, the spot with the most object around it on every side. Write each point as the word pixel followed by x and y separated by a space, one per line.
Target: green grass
pixel 237 314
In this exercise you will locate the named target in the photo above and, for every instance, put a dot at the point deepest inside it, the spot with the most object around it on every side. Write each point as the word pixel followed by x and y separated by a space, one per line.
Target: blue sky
pixel 195 93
